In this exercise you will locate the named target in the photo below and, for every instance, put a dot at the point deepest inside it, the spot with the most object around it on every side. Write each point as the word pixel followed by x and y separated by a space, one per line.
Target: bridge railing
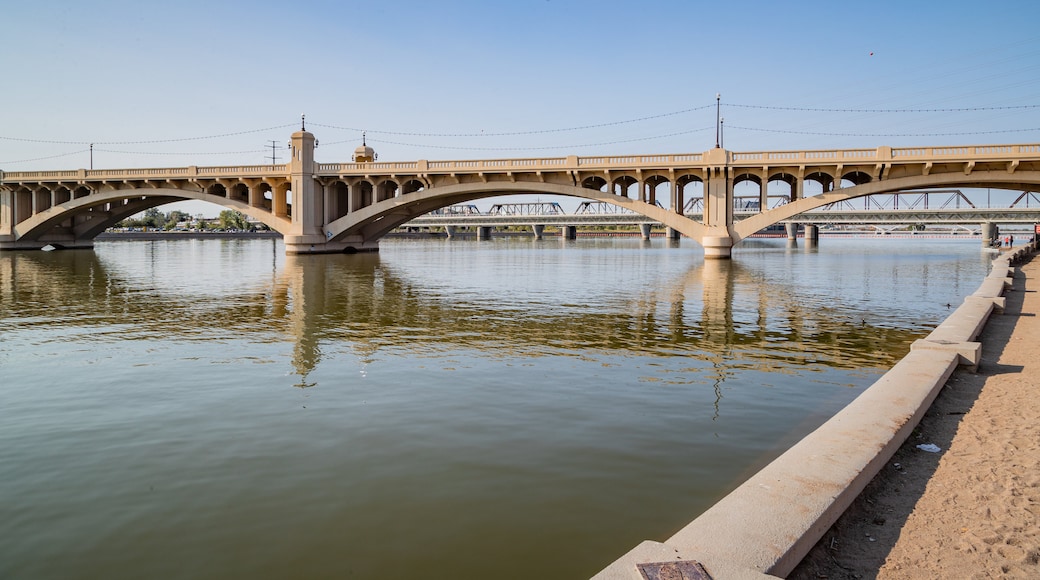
pixel 145 173
pixel 916 154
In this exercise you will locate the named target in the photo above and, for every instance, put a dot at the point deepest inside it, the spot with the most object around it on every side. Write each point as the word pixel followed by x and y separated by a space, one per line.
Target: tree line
pixel 158 220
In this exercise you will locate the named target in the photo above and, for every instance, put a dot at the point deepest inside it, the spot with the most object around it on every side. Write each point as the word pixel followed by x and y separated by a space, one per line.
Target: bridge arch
pixel 982 179
pixel 370 223
pixel 116 205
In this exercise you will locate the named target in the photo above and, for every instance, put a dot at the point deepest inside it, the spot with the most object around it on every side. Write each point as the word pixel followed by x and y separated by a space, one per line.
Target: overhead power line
pixel 822 134
pixel 547 148
pixel 148 142
pixel 824 110
pixel 516 133
pixel 44 158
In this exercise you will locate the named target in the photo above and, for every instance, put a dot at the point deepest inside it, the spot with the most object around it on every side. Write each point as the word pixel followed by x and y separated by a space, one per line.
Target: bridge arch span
pixel 88 222
pixel 368 224
pixel 982 179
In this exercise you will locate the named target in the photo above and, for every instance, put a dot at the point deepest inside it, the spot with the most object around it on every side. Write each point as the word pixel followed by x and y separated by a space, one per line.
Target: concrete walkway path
pixel 972 509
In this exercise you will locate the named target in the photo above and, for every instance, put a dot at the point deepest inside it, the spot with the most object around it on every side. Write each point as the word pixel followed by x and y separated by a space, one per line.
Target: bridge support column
pixel 6 213
pixel 450 231
pixel 307 232
pixel 989 233
pixel 484 232
pixel 538 231
pixel 569 232
pixel 812 233
pixel 792 230
pixel 644 231
pixel 673 234
pixel 717 247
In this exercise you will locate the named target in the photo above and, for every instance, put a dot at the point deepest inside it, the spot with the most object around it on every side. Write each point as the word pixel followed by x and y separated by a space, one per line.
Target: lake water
pixel 442 409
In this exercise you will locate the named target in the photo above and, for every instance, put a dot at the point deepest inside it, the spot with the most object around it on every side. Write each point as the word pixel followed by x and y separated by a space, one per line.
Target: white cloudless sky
pixel 175 83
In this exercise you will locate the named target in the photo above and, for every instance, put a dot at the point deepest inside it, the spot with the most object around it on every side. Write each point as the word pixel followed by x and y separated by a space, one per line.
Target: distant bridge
pixel 939 207
pixel 336 207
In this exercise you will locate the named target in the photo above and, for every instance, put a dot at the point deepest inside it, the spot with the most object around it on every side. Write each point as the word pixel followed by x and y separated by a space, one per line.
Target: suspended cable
pixel 547 148
pixel 43 158
pixel 148 142
pixel 823 110
pixel 175 153
pixel 516 133
pixel 789 132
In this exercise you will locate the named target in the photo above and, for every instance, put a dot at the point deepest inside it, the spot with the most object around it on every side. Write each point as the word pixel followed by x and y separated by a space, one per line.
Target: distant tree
pixel 153 218
pixel 233 220
pixel 175 217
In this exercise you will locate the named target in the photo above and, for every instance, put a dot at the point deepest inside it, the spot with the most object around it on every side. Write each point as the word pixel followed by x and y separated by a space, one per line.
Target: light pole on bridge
pixel 718 121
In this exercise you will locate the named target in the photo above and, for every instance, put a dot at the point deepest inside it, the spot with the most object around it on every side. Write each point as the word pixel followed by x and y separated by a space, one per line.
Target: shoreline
pixel 781 518
pixel 970 509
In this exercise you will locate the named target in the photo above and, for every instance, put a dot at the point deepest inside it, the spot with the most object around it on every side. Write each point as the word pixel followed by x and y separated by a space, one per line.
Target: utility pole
pixel 274 155
pixel 92 156
pixel 718 119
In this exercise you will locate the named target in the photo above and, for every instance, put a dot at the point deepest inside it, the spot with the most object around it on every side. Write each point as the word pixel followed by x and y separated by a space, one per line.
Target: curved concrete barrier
pixel 766 526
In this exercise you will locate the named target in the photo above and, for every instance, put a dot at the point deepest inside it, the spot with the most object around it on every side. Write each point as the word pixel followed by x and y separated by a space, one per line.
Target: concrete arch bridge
pixel 348 207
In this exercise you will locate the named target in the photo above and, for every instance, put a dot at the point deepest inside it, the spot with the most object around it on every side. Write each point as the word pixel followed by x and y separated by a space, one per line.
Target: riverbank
pixel 970 509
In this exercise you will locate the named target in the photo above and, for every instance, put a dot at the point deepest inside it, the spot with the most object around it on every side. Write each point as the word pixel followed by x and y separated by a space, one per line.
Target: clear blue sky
pixel 118 73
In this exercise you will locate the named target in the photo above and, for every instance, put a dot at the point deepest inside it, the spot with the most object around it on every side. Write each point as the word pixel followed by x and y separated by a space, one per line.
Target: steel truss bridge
pixel 935 207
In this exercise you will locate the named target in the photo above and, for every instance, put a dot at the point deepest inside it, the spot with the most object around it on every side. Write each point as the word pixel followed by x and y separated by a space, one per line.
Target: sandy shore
pixel 972 509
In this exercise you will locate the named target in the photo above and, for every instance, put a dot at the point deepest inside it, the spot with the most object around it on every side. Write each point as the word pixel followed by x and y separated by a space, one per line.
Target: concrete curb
pixel 766 526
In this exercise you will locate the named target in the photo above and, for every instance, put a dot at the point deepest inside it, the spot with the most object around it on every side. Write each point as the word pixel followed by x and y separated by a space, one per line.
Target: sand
pixel 972 509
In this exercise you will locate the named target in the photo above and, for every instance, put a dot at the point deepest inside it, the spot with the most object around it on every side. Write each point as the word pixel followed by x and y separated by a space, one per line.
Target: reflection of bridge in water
pixel 361 301
pixel 337 207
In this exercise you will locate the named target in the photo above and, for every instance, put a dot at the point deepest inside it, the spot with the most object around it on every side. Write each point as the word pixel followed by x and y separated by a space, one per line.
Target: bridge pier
pixel 450 231
pixel 644 231
pixel 792 230
pixel 812 235
pixel 569 232
pixel 538 231
pixel 317 245
pixel 990 231
pixel 717 247
pixel 673 234
pixel 484 232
